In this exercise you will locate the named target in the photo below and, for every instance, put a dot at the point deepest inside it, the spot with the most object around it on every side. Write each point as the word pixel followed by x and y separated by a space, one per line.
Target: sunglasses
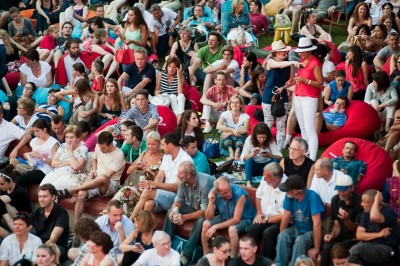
pixel 5 177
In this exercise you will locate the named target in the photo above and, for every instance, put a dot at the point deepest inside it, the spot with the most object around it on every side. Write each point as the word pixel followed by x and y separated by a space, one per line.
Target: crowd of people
pixel 80 117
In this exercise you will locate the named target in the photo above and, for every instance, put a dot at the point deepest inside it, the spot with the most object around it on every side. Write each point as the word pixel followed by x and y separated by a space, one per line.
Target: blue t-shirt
pixel 201 163
pixel 226 208
pixel 303 211
pixel 353 168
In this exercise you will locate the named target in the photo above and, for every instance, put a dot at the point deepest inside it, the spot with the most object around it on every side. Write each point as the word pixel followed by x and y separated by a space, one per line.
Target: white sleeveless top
pixel 44 150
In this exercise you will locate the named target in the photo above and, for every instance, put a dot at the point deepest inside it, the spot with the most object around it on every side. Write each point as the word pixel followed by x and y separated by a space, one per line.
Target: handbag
pixel 277 105
pixel 125 55
pixel 211 147
pixel 282 21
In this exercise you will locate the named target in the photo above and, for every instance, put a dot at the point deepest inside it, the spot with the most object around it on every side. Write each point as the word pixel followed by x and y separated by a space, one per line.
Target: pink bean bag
pixel 379 163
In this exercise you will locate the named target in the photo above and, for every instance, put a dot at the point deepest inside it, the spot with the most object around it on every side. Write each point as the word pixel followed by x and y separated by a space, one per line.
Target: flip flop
pixel 64 194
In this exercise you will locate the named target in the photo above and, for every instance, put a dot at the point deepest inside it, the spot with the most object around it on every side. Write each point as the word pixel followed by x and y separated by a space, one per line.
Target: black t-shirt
pixel 19 199
pixel 3 210
pixel 135 77
pixel 354 209
pixel 260 261
pixel 7 4
pixel 301 170
pixel 44 225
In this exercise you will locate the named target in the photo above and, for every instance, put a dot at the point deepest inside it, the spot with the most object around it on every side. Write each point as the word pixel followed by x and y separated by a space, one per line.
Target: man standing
pixel 189 145
pixel 348 165
pixel 269 202
pixel 248 256
pixel 191 200
pixel 134 143
pixel 259 20
pixel 108 165
pixel 215 100
pixel 386 52
pixel 236 213
pixel 346 215
pixel 115 224
pixel 50 221
pixel 141 74
pixel 305 207
pixel 378 232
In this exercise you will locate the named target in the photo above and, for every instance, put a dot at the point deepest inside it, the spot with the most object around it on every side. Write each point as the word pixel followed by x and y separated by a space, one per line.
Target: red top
pixel 358 81
pixel 303 89
pixel 48 42
pixel 105 48
pixel 99 83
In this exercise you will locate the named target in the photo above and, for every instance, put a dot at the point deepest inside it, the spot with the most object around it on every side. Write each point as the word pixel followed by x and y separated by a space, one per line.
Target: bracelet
pixel 309 81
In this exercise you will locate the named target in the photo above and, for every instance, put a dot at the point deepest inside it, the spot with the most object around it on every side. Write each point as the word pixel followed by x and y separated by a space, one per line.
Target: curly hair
pixel 355 12
pixel 7 43
pixel 261 129
pixel 27 104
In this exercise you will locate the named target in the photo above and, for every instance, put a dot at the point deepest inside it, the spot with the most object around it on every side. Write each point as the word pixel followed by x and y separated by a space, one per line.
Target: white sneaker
pixel 207 128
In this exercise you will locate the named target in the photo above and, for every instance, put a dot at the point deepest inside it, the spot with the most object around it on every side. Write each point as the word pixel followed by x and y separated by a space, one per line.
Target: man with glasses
pixel 236 213
pixel 248 256
pixel 27 92
pixel 298 163
pixel 66 31
pixel 161 254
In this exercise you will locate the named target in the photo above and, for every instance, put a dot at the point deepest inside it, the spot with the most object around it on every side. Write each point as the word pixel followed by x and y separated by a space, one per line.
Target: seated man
pixel 378 232
pixel 108 165
pixel 215 100
pixel 257 19
pixel 247 250
pixel 236 213
pixel 391 190
pixel 159 195
pixel 51 108
pixel 189 145
pixel 335 117
pixel 57 128
pixel 50 221
pixel 306 209
pixel 348 165
pixel 65 35
pixel 116 225
pixel 191 201
pixel 134 143
pixel 269 201
pixel 198 18
pixel 386 52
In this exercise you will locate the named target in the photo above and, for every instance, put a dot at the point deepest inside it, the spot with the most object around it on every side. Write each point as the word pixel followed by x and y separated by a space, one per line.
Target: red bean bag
pixel 336 57
pixel 249 109
pixel 12 79
pixel 379 163
pixel 362 122
pixel 193 95
pixel 386 66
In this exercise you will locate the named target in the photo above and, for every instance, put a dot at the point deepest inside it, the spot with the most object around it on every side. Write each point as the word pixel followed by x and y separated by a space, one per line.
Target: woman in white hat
pixel 280 73
pixel 308 88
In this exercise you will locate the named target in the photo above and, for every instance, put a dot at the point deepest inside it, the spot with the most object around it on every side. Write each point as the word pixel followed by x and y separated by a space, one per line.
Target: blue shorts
pixel 164 200
pixel 241 227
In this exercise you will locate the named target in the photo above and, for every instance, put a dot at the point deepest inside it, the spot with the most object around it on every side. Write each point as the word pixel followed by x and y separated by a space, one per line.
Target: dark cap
pixel 293 182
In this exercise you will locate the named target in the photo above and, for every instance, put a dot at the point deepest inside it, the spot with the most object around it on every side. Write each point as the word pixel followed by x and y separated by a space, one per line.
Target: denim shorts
pixel 164 200
pixel 241 227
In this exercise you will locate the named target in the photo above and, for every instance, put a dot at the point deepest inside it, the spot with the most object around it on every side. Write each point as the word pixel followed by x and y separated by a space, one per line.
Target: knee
pixel 206 226
pixel 81 195
pixel 232 231
pixel 148 205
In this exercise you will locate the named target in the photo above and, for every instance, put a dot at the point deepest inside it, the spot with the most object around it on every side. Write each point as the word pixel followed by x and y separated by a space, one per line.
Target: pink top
pixel 48 42
pixel 303 89
pixel 358 81
pixel 217 96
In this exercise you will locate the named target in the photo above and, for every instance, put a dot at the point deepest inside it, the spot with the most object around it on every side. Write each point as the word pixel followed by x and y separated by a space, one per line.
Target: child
pixel 99 80
pixel 48 43
pixel 51 108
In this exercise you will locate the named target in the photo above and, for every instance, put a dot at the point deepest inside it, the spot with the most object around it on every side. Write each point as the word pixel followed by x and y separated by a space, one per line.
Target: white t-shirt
pixel 227 115
pixel 170 166
pixel 234 65
pixel 44 150
pixel 8 133
pixel 248 148
pixel 327 68
pixel 10 252
pixel 114 160
pixel 151 258
pixel 167 20
pixel 21 123
pixel 325 190
pixel 40 81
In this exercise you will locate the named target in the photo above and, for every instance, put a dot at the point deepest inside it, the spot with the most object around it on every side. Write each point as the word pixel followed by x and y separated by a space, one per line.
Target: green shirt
pixel 132 154
pixel 207 58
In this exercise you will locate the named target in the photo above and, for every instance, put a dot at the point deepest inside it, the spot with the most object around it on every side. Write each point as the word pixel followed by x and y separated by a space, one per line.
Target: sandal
pixel 64 194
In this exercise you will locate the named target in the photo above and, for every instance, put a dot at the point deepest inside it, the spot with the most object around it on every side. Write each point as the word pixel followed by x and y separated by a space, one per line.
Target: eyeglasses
pixel 294 149
pixel 226 252
pixel 5 176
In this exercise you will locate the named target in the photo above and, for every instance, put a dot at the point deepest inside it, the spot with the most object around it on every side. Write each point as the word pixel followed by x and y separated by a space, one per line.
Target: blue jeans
pixel 164 200
pixel 251 168
pixel 301 244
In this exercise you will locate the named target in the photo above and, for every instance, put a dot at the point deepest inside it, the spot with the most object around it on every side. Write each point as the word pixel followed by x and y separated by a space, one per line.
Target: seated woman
pixel 360 16
pixel 47 255
pixel 382 97
pixel 112 103
pixel 21 244
pixel 11 59
pixel 87 134
pixel 22 32
pixel 44 148
pixel 190 127
pixel 255 85
pixel 236 18
pixel 25 114
pixel 68 162
pixel 47 13
pixel 99 248
pixel 363 39
pixel 259 150
pixel 48 43
pixel 311 30
pixel 379 37
pixel 75 14
pixel 94 23
pixel 51 108
pixel 357 72
pixel 36 71
pixel 146 165
pixel 221 247
pixel 249 64
pixel 234 124
pixel 170 85
pixel 13 196
pixel 138 240
pixel 390 23
pixel 338 87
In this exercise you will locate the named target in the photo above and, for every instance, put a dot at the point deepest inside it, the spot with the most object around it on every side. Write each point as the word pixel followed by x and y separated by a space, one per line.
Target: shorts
pixel 111 190
pixel 241 227
pixel 164 200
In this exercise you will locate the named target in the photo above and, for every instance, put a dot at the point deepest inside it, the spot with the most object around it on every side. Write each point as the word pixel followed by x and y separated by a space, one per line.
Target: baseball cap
pixel 343 182
pixel 293 182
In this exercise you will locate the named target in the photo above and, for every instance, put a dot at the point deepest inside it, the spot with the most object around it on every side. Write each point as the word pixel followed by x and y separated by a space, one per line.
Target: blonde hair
pixel 51 29
pixel 7 43
pixel 304 260
pixel 235 4
pixel 98 33
pixel 73 129
pixel 241 102
pixel 154 135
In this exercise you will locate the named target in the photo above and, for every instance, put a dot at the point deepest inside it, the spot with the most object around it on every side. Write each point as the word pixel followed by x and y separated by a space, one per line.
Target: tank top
pixel 107 257
pixel 165 87
pixel 358 81
pixel 185 59
pixel 105 110
pixel 139 239
pixel 44 150
pixel 79 11
pixel 334 90
pixel 301 170
pixel 133 36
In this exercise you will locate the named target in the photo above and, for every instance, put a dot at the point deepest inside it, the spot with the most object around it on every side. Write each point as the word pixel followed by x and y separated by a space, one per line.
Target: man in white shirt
pixel 8 133
pixel 159 195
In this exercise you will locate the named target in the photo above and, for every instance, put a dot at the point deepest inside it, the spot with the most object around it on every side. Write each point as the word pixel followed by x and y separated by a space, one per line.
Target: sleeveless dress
pixel 133 36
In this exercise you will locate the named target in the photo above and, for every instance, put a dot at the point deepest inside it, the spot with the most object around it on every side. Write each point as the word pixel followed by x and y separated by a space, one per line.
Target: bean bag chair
pixel 249 109
pixel 271 9
pixel 40 97
pixel 362 122
pixel 336 57
pixel 12 79
pixel 379 163
pixel 386 66
pixel 28 13
pixel 193 95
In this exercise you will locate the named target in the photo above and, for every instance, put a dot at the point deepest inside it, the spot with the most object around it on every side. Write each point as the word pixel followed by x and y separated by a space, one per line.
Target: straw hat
pixel 279 46
pixel 305 45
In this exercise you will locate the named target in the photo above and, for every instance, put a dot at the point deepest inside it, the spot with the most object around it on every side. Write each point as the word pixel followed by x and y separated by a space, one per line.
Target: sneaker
pixel 207 128
pixel 184 259
pixel 286 143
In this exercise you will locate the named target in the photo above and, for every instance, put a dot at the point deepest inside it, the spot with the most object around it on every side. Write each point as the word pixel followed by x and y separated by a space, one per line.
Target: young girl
pixel 48 43
pixel 99 80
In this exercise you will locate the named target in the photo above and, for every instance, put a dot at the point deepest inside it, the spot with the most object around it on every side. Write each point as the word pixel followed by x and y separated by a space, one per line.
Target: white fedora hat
pixel 279 46
pixel 305 45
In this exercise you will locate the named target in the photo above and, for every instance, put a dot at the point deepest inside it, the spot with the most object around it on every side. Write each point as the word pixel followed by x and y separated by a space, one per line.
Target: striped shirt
pixel 167 88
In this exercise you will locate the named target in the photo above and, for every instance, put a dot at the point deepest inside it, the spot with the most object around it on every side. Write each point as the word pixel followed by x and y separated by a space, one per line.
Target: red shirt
pixel 217 96
pixel 99 83
pixel 303 89
pixel 260 22
pixel 48 42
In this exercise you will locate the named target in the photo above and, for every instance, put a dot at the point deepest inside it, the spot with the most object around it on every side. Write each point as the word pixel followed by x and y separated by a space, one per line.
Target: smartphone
pixel 275 89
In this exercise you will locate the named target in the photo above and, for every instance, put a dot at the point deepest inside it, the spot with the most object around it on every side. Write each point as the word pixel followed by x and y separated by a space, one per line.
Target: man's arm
pixel 151 124
pixel 121 79
pixel 317 235
pixel 285 220
pixel 55 235
pixel 237 216
pixel 25 140
pixel 141 84
pixel 376 214
pixel 363 235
